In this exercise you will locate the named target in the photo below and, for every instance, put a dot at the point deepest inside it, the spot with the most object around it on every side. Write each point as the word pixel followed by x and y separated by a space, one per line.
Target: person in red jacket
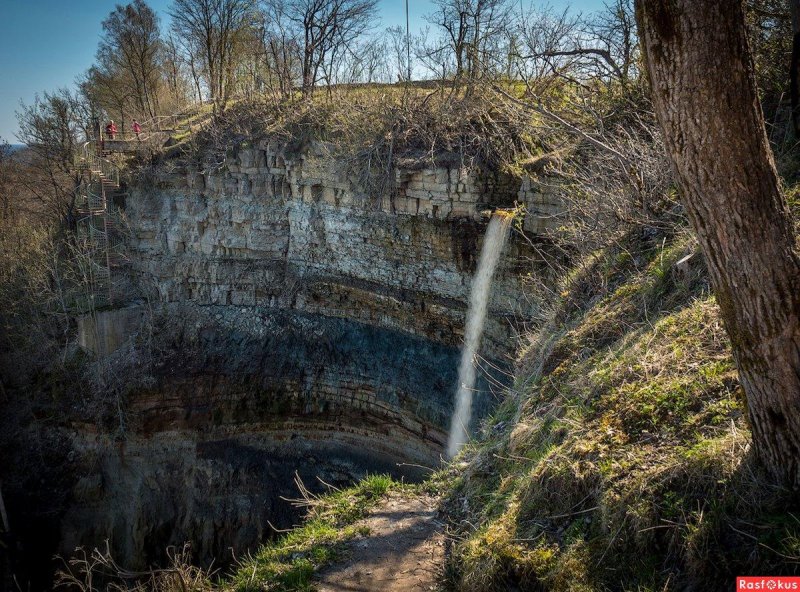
pixel 137 129
pixel 111 130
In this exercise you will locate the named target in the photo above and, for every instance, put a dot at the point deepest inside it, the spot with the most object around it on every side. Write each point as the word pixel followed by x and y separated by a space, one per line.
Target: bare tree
pixel 326 30
pixel 365 62
pixel 53 131
pixel 472 29
pixel 613 42
pixel 397 46
pixel 453 19
pixel 176 72
pixel 434 54
pixel 603 48
pixel 282 49
pixel 213 30
pixel 543 47
pixel 189 49
pixel 706 100
pixel 104 88
pixel 130 46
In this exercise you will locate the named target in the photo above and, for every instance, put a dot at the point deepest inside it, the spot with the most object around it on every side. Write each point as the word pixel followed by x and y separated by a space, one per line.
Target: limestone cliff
pixel 296 323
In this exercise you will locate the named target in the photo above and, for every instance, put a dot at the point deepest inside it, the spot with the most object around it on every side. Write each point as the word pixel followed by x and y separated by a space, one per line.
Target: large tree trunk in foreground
pixel 704 93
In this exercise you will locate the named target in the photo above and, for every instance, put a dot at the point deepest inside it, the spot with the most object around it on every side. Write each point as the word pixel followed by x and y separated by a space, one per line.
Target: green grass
pixel 289 563
pixel 623 464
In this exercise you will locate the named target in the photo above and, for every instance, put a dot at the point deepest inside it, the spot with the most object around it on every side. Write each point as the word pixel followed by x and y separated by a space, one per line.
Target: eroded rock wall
pixel 267 230
pixel 296 324
pixel 240 400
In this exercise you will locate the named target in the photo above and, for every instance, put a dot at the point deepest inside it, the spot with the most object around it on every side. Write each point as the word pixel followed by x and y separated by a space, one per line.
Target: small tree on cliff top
pixel 324 29
pixel 130 46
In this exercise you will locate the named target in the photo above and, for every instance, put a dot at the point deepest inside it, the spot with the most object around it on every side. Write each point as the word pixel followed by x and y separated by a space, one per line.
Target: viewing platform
pixel 128 143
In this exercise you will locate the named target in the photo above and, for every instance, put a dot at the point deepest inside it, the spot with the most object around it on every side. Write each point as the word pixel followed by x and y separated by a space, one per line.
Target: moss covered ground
pixel 621 460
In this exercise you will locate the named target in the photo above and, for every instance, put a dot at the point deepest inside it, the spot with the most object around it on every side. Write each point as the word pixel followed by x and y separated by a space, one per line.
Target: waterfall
pixel 493 243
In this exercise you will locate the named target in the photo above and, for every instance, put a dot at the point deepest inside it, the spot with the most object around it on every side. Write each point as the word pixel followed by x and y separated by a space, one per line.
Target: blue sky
pixel 46 44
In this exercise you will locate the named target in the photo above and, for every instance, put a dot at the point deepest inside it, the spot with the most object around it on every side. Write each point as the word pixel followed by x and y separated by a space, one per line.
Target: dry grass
pixel 373 128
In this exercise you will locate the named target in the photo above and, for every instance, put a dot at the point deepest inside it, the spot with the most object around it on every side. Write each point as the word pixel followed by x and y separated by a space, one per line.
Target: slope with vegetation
pixel 620 458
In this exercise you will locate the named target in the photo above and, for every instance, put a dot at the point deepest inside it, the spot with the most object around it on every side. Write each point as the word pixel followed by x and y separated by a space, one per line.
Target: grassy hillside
pixel 291 561
pixel 621 459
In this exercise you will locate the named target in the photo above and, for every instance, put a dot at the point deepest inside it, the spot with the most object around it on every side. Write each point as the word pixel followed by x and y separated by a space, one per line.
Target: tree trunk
pixel 704 93
pixel 308 58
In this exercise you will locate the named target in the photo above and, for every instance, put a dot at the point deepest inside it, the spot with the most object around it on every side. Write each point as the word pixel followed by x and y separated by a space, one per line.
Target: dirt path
pixel 404 551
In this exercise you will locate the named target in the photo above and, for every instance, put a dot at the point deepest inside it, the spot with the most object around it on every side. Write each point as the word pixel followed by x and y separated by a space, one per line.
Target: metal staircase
pixel 98 219
pixel 98 222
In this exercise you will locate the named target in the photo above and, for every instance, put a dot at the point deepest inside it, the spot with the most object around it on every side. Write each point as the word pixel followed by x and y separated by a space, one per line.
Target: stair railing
pixel 94 218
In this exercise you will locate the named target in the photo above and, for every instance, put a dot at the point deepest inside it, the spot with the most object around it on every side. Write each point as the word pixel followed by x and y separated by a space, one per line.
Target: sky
pixel 47 44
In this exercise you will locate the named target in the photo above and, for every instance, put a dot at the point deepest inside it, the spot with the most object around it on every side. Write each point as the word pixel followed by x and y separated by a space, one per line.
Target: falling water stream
pixel 493 243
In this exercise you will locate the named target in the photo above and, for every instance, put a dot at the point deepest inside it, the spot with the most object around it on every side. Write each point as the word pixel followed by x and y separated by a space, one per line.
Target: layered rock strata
pixel 297 324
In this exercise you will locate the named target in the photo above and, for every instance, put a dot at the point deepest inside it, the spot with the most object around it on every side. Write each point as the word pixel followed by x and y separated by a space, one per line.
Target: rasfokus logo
pixel 767 583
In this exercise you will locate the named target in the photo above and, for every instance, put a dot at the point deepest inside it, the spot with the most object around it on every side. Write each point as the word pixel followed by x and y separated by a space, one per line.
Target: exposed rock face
pixel 246 397
pixel 302 325
pixel 269 231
